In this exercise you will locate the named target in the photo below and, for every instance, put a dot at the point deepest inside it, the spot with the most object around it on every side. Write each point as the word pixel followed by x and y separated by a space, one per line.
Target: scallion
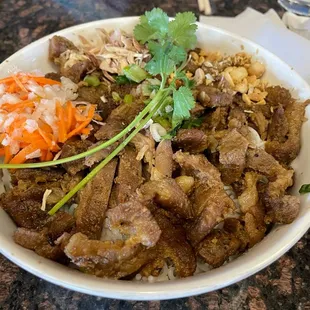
pixel 128 98
pixel 92 80
pixel 135 73
pixel 305 189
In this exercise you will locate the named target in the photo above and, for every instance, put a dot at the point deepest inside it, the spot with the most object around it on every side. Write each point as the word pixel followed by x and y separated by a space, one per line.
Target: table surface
pixel 283 285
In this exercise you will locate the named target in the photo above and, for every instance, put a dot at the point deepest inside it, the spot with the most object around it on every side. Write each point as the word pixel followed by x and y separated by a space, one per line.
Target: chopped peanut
pixel 257 69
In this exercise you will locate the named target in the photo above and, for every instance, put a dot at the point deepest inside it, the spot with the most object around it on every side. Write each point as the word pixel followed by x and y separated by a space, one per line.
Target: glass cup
pixel 300 7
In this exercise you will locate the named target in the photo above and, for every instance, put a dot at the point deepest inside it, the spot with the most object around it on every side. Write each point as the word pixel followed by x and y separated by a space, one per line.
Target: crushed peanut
pixel 246 99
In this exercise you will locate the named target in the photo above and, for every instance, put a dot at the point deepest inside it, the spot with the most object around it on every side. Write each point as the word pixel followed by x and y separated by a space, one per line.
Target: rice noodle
pixel 45 196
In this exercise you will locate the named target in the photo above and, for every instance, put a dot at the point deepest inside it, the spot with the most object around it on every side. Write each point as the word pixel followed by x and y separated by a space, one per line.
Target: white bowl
pixel 278 241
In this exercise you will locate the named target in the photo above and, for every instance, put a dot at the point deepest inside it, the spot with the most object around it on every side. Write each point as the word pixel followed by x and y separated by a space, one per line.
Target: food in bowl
pixel 181 156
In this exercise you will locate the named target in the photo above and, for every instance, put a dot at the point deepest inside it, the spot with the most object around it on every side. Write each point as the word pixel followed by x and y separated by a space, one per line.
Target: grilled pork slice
pixel 93 202
pixel 191 140
pixel 118 258
pixel 280 208
pixel 287 151
pixel 210 202
pixel 232 151
pixel 129 175
pixel 172 246
pixel 169 195
pixel 38 242
pixel 119 118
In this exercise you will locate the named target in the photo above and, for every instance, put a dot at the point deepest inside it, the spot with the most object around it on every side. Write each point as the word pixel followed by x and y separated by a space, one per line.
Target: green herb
pixel 162 121
pixel 116 97
pixel 172 133
pixel 192 123
pixel 167 42
pixel 135 73
pixel 128 98
pixel 305 189
pixel 92 80
pixel 122 80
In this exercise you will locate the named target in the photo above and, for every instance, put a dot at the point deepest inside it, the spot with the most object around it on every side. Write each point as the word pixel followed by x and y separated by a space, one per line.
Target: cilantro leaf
pixel 143 31
pixel 153 25
pixel 182 30
pixel 183 103
pixel 177 54
pixel 193 123
pixel 158 19
pixel 160 63
pixel 172 133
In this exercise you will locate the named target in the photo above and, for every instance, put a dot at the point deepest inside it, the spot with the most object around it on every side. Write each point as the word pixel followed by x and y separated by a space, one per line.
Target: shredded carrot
pixel 70 115
pixel 55 147
pixel 61 123
pixel 43 155
pixel 49 156
pixel 7 154
pixel 20 157
pixel 79 117
pixel 12 88
pixel 28 137
pixel 78 129
pixel 19 105
pixel 46 137
pixel 6 80
pixel 43 80
pixel 19 84
pixel 45 127
pixel 68 121
pixel 85 131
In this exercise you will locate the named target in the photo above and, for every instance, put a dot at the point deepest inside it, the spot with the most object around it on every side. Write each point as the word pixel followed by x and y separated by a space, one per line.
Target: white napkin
pixel 269 31
pixel 298 24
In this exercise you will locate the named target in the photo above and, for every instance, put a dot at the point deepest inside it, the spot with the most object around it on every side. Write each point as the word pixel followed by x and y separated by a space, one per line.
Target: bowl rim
pixel 203 283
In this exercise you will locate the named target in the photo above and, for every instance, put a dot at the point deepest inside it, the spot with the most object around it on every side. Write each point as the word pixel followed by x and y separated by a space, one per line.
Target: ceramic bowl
pixel 276 243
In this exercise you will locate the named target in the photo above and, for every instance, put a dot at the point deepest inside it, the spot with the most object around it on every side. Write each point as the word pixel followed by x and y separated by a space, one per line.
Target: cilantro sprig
pixel 168 42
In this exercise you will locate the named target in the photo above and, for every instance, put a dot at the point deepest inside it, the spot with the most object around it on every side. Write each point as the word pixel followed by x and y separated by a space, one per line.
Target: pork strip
pixel 173 245
pixel 280 208
pixel 24 206
pixel 210 202
pixel 168 194
pixel 163 161
pixel 118 258
pixel 253 210
pixel 74 147
pixel 199 167
pixel 288 151
pixel 38 242
pixel 278 127
pixel 93 202
pixel 232 158
pixel 58 45
pixel 107 259
pixel 211 206
pixel 129 175
pixel 119 118
pixel 212 97
pixel 191 140
pixel 217 247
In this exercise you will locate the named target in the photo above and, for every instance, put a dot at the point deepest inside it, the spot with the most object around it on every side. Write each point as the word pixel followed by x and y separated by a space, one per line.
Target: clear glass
pixel 301 7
